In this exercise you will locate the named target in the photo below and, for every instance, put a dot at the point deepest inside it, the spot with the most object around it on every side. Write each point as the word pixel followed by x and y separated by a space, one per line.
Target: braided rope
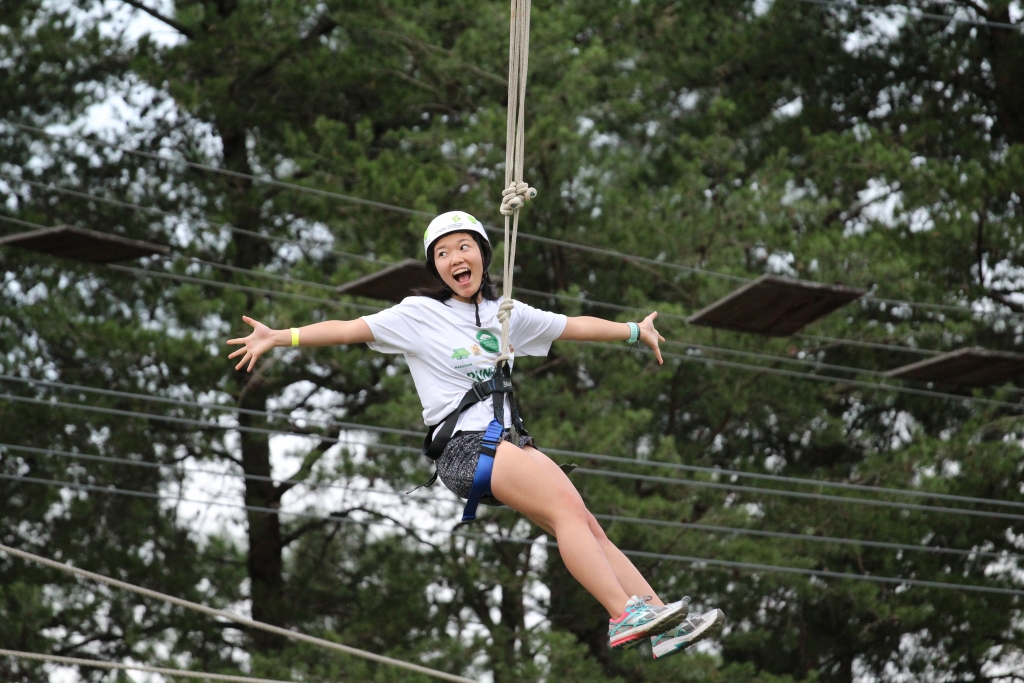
pixel 96 664
pixel 517 192
pixel 251 623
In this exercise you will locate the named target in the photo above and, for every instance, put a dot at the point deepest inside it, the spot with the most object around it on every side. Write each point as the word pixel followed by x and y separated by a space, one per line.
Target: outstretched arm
pixel 328 333
pixel 587 328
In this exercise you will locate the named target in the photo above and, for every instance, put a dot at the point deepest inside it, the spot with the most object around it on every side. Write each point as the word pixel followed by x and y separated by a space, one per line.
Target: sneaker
pixel 694 629
pixel 640 620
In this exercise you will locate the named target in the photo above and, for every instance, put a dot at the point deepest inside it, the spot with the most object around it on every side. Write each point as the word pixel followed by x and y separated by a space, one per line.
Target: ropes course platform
pixel 393 283
pixel 969 367
pixel 82 244
pixel 775 305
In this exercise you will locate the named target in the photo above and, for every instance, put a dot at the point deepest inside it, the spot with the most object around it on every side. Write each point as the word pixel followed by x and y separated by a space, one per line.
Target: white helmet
pixel 453 221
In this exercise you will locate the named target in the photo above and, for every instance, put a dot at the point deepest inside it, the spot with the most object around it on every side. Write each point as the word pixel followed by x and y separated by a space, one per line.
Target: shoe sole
pixel 666 621
pixel 683 642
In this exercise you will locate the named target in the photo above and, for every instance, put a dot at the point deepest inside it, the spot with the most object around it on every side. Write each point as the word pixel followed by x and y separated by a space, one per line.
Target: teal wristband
pixel 634 333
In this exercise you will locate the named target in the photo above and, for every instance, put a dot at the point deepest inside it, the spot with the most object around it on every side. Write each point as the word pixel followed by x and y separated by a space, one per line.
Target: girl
pixel 450 342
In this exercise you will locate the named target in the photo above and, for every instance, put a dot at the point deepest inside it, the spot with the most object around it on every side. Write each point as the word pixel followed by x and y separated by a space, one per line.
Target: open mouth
pixel 462 275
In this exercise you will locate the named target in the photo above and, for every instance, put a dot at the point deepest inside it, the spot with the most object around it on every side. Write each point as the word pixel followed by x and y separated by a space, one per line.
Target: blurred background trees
pixel 880 149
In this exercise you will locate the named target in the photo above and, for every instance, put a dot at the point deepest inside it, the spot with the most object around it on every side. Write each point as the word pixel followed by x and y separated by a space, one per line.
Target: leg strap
pixel 482 477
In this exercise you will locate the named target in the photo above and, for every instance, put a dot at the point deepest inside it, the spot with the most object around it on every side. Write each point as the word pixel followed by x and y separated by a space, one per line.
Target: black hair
pixel 443 292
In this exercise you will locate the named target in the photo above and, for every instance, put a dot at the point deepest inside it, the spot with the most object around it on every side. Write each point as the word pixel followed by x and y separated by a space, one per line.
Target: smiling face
pixel 460 264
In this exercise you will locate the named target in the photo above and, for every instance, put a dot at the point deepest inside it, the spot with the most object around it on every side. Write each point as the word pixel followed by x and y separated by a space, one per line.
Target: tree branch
pixel 323 27
pixel 176 25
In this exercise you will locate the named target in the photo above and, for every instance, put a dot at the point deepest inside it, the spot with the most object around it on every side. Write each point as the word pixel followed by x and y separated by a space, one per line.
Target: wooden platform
pixel 775 305
pixel 393 283
pixel 81 244
pixel 971 367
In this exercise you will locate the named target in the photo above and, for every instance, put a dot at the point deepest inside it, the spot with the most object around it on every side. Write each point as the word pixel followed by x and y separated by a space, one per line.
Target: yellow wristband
pixel 295 336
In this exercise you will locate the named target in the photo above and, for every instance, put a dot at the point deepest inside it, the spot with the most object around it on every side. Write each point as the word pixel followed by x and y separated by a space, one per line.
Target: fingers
pixel 238 340
pixel 657 353
pixel 237 352
pixel 250 321
pixel 245 358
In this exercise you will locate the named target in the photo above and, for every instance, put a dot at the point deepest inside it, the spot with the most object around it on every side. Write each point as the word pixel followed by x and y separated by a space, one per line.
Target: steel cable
pixel 633 553
pixel 642 521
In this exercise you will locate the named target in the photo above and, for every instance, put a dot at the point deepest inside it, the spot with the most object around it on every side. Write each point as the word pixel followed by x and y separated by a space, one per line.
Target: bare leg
pixel 528 481
pixel 629 577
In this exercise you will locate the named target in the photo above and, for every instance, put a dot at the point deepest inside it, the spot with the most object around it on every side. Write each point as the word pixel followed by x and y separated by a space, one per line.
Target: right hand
pixel 255 345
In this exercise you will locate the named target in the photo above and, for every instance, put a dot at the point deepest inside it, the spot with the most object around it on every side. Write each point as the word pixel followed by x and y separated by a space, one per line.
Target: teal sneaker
pixel 640 620
pixel 695 628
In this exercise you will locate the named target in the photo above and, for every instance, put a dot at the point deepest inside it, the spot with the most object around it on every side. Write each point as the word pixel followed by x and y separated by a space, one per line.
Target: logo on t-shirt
pixel 488 341
pixel 460 354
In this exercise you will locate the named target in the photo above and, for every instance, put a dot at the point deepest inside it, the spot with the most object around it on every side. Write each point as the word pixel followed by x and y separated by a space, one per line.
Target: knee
pixel 570 507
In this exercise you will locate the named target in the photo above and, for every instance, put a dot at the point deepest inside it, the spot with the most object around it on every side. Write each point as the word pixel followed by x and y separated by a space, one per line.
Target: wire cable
pixel 240 288
pixel 714 471
pixel 641 521
pixel 244 621
pixel 634 553
pixel 788 493
pixel 826 378
pixel 114 666
pixel 745 531
pixel 423 214
pixel 605 473
pixel 178 216
pixel 916 14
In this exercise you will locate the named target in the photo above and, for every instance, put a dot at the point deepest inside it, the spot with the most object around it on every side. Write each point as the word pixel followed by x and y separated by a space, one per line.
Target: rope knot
pixel 505 310
pixel 515 196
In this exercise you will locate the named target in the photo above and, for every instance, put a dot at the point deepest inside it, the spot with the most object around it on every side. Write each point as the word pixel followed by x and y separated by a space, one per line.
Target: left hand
pixel 651 336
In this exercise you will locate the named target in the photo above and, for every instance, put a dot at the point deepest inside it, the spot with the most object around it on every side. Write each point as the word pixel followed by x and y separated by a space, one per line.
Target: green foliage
pixel 702 133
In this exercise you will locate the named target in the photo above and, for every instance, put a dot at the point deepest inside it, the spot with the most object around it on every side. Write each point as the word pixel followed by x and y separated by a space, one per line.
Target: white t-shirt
pixel 447 353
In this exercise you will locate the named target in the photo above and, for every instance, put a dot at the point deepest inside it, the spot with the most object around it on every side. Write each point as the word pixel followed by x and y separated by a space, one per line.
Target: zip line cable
pixel 244 621
pixel 585 471
pixel 634 553
pixel 826 378
pixel 241 288
pixel 423 214
pixel 355 426
pixel 743 531
pixel 789 493
pixel 114 666
pixel 587 302
pixel 202 424
pixel 913 13
pixel 641 521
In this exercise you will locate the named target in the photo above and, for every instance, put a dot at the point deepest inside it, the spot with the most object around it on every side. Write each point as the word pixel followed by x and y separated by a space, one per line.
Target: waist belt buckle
pixel 483 389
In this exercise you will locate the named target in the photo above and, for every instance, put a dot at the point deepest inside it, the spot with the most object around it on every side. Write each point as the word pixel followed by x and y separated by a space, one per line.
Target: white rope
pixel 177 673
pixel 517 192
pixel 99 578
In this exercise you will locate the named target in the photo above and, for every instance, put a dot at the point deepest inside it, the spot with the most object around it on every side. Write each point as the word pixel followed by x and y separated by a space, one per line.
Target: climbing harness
pixel 515 195
pixel 498 387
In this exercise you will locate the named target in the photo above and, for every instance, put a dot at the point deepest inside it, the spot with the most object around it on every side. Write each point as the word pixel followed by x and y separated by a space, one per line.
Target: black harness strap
pixel 501 384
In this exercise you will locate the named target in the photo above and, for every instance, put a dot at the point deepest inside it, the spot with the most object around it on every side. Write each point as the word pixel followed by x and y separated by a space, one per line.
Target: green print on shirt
pixel 481 375
pixel 488 341
pixel 459 354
